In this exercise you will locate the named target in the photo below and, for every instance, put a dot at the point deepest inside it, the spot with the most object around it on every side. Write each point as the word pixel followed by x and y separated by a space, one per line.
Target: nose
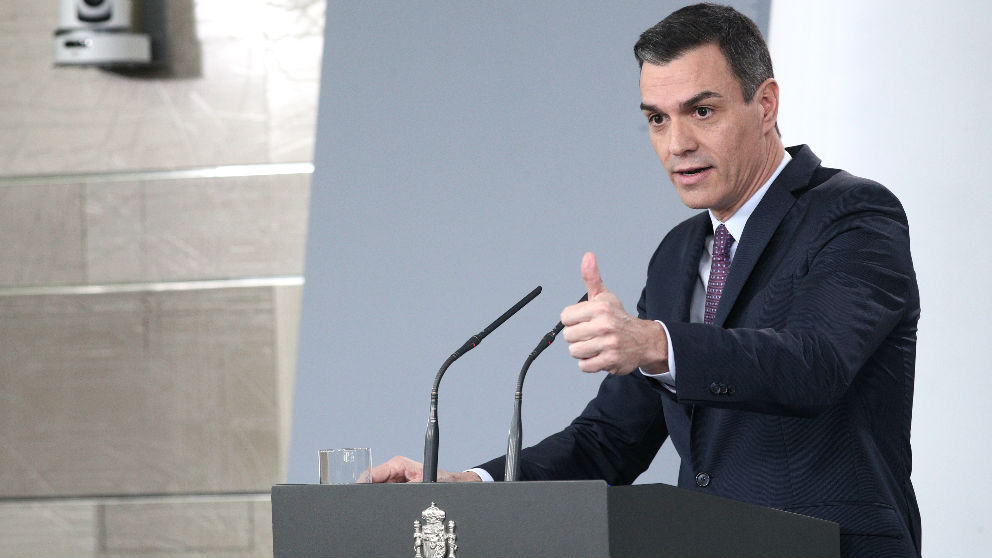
pixel 681 139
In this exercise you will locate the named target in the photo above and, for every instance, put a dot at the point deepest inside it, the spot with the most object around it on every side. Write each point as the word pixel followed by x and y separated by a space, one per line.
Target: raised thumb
pixel 590 276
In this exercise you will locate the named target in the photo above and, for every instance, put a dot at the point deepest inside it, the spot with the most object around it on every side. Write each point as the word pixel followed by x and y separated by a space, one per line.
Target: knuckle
pixel 611 344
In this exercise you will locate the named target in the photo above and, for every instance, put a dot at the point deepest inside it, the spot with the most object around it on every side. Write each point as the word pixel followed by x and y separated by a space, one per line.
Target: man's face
pixel 711 142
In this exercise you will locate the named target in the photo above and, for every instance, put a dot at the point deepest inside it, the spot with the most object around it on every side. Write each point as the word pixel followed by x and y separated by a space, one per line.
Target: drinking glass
pixel 345 465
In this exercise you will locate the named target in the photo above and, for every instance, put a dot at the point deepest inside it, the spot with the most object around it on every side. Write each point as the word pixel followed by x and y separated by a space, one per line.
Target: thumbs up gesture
pixel 604 337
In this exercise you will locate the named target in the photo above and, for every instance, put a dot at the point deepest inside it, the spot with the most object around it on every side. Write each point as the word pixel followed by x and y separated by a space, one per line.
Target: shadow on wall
pixel 175 46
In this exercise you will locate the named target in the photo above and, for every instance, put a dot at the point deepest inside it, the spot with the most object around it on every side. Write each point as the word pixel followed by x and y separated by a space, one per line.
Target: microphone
pixel 431 439
pixel 512 471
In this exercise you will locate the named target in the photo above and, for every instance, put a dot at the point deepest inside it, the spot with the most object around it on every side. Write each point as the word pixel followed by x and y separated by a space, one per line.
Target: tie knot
pixel 722 240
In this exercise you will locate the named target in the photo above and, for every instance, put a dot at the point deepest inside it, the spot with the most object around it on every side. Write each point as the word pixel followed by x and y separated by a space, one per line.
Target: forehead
pixel 703 68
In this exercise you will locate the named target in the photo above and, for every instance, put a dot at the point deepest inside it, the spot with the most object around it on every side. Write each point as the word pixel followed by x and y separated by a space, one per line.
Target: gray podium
pixel 534 520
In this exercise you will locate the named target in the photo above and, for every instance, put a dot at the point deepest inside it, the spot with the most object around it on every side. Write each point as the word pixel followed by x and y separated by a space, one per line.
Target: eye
pixel 703 112
pixel 656 119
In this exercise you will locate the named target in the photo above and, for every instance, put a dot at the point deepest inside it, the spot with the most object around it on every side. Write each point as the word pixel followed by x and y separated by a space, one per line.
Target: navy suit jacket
pixel 799 396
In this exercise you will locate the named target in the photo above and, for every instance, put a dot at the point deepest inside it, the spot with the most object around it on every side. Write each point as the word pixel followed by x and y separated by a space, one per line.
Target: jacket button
pixel 702 480
pixel 723 389
pixel 715 388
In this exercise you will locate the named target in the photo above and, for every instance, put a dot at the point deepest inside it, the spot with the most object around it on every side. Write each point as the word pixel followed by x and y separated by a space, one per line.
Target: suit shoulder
pixel 838 188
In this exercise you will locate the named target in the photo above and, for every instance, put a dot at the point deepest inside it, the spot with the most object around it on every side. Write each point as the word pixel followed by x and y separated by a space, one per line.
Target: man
pixel 775 336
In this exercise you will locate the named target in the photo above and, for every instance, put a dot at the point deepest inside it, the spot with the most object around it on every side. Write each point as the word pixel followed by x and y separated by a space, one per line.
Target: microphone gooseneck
pixel 431 439
pixel 512 471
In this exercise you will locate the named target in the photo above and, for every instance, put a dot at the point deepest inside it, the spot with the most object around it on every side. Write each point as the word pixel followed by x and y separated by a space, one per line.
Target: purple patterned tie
pixel 718 271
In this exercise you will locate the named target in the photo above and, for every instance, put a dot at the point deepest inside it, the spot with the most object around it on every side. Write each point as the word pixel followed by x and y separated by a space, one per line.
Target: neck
pixel 771 159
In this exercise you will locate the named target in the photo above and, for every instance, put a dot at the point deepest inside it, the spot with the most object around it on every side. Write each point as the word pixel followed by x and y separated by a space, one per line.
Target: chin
pixel 692 201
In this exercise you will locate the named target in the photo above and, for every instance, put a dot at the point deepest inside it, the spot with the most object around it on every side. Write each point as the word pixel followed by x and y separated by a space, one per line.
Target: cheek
pixel 658 144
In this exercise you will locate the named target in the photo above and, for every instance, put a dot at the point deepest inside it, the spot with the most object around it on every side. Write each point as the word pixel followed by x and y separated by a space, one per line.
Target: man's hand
pixel 603 336
pixel 404 469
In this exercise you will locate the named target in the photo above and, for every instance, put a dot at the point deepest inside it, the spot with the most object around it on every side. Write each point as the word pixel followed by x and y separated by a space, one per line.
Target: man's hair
pixel 737 36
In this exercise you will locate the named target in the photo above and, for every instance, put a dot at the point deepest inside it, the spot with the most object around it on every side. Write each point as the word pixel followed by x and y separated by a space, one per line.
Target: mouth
pixel 690 177
pixel 692 171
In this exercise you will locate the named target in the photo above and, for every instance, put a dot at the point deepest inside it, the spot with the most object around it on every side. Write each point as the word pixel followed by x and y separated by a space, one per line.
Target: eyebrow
pixel 687 104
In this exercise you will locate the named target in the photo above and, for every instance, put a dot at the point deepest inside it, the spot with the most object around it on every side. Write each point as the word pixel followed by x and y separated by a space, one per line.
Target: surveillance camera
pixel 99 32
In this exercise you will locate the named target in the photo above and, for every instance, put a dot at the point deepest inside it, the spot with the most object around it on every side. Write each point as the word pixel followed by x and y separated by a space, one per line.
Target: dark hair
pixel 737 36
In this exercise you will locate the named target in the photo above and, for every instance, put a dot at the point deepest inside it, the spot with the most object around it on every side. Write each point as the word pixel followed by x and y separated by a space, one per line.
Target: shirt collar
pixel 735 225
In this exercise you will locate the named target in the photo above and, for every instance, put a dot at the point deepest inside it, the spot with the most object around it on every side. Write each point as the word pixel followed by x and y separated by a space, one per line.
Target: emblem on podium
pixel 430 538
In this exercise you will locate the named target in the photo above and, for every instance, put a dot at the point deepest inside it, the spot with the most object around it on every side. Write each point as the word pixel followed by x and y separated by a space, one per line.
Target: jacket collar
pixel 763 223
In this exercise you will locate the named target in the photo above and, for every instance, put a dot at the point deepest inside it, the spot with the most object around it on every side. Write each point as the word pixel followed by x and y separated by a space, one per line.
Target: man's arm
pixel 856 285
pixel 614 439
pixel 814 325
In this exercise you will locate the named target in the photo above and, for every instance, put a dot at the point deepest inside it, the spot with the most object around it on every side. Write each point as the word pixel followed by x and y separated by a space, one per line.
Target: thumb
pixel 590 276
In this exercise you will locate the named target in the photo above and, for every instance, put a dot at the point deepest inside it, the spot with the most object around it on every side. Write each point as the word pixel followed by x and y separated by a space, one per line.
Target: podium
pixel 561 519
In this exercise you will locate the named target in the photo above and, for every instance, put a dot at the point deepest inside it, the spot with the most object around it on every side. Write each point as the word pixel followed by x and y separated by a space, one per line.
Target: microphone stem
pixel 513 443
pixel 431 438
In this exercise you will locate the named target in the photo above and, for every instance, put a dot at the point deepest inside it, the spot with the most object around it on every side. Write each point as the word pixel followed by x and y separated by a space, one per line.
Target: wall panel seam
pixel 225 171
pixel 157 286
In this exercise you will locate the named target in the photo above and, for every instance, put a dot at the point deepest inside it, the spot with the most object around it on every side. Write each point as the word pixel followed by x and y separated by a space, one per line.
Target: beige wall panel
pixel 219 349
pixel 129 393
pixel 214 104
pixel 42 529
pixel 263 527
pixel 42 232
pixel 174 230
pixel 292 108
pixel 73 393
pixel 288 300
pixel 193 527
pixel 295 36
pixel 115 230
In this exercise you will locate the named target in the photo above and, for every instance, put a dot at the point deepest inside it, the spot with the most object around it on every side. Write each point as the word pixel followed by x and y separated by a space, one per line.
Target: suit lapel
pixel 688 267
pixel 763 223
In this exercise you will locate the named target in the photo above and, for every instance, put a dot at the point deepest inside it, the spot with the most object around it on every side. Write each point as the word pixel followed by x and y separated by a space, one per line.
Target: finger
pixel 582 350
pixel 590 276
pixel 601 362
pixel 605 345
pixel 592 365
pixel 575 333
pixel 382 472
pixel 398 469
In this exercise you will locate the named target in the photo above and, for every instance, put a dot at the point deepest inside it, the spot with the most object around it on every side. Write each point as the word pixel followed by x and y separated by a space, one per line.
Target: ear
pixel 767 97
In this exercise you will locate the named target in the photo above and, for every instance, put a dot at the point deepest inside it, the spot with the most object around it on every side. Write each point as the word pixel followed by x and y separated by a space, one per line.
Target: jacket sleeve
pixel 614 439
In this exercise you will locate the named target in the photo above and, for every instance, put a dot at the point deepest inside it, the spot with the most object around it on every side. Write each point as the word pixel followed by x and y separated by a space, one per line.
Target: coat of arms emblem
pixel 430 538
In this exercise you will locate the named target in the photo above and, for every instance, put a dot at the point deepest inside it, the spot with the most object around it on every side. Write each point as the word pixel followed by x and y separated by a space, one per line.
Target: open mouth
pixel 692 172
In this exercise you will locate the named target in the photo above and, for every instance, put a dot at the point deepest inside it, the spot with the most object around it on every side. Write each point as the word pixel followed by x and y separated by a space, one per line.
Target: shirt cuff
pixel 666 379
pixel 483 474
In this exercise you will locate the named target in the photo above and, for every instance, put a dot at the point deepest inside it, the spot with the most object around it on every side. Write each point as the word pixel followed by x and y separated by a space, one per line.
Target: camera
pixel 101 33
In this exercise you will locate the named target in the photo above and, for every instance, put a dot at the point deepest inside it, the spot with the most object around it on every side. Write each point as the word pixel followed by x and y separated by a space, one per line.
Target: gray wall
pixel 467 152
pixel 898 91
pixel 152 228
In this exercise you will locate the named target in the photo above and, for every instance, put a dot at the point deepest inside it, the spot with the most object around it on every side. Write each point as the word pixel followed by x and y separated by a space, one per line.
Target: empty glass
pixel 345 465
